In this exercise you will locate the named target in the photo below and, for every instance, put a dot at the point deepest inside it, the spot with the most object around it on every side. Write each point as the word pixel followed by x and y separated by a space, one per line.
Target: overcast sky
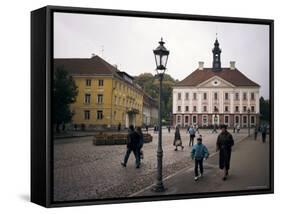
pixel 128 42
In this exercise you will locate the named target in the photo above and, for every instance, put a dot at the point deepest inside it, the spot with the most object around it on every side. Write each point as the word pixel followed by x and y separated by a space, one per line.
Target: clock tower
pixel 216 56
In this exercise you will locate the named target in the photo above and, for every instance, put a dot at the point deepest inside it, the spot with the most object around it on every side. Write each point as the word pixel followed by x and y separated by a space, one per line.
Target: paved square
pixel 85 171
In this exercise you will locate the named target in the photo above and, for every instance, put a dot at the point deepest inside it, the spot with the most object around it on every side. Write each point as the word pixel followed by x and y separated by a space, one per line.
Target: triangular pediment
pixel 215 82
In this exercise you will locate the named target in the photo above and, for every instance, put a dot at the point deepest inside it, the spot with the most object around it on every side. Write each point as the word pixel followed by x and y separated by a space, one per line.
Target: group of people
pixel 263 130
pixel 135 143
pixel 191 130
pixel 199 151
pixel 236 128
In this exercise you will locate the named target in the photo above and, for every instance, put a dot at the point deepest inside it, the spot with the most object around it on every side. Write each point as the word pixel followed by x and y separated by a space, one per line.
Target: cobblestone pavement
pixel 85 171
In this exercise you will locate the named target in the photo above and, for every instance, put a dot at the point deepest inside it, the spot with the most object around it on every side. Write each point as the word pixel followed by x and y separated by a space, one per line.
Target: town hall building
pixel 216 95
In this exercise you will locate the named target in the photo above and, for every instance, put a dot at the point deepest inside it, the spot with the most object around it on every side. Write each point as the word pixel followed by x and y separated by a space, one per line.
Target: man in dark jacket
pixel 224 144
pixel 132 146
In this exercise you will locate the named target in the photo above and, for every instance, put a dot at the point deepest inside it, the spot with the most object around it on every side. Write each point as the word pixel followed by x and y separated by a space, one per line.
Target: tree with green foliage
pixel 264 110
pixel 64 93
pixel 150 84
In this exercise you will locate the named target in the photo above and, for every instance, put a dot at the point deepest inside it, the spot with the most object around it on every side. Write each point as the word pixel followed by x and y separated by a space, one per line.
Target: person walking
pixel 146 128
pixel 238 128
pixel 256 132
pixel 198 153
pixel 141 142
pixel 263 133
pixel 177 139
pixel 197 128
pixel 224 144
pixel 191 132
pixel 214 129
pixel 132 146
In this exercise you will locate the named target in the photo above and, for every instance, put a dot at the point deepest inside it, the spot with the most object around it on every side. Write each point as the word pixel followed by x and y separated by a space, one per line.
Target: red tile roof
pixel 234 76
pixel 86 66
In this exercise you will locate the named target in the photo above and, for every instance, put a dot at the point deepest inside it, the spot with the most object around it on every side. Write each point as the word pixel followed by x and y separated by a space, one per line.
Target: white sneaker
pixel 200 176
pixel 196 178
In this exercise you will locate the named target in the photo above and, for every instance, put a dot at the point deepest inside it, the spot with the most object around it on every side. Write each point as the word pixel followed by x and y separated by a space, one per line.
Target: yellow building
pixel 106 95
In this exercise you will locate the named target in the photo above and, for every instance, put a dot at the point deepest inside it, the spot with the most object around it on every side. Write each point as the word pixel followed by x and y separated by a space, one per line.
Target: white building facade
pixel 214 96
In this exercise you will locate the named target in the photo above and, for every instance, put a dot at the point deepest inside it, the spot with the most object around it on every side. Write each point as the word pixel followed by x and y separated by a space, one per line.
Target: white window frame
pixel 207 121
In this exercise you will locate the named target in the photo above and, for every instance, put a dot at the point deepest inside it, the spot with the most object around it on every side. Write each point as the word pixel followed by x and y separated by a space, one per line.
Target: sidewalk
pixel 249 169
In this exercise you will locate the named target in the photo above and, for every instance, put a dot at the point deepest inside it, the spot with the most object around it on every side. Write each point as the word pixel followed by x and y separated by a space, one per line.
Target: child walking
pixel 198 153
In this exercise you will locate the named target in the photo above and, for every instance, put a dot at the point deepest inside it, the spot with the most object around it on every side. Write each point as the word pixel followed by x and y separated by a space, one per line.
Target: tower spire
pixel 216 55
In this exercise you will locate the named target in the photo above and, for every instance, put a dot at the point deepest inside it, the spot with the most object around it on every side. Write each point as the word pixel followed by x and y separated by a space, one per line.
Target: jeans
pixel 191 140
pixel 200 164
pixel 136 154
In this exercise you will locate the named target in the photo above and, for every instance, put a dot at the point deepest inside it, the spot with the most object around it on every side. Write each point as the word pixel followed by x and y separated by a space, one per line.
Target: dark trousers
pixel 140 153
pixel 198 163
pixel 256 135
pixel 191 140
pixel 263 137
pixel 136 154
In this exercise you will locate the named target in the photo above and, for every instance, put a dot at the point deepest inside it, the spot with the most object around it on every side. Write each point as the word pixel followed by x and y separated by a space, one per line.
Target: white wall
pixel 15 105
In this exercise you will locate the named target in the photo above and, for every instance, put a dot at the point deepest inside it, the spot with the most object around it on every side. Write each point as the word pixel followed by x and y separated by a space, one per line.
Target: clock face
pixel 216 82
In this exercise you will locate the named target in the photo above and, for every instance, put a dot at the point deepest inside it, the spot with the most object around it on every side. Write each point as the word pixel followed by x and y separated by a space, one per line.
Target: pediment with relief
pixel 215 82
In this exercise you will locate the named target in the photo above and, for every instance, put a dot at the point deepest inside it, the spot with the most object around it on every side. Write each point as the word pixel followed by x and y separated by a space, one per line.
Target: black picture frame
pixel 41 99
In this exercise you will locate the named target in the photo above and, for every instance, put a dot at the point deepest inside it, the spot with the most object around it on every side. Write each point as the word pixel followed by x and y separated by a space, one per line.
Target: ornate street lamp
pixel 161 57
pixel 249 111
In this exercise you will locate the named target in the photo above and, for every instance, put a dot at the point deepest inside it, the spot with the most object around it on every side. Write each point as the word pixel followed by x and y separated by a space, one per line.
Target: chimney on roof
pixel 232 65
pixel 201 65
pixel 93 55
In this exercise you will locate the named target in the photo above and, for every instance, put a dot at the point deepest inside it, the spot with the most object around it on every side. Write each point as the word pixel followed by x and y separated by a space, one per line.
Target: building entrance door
pixel 130 120
pixel 215 119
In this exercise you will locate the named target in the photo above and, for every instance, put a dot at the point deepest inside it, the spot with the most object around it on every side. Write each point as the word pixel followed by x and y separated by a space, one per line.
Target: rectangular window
pixel 194 109
pixel 205 96
pixel 186 96
pixel 252 96
pixel 205 119
pixel 194 119
pixel 252 108
pixel 99 115
pixel 100 98
pixel 179 108
pixel 237 119
pixel 226 96
pixel 87 98
pixel 87 115
pixel 244 96
pixel 194 96
pixel 244 119
pixel 216 109
pixel 226 119
pixel 186 119
pixel 186 108
pixel 179 96
pixel 226 109
pixel 237 108
pixel 204 108
pixel 88 82
pixel 216 95
pixel 236 96
pixel 244 108
pixel 100 83
pixel 179 119
pixel 253 120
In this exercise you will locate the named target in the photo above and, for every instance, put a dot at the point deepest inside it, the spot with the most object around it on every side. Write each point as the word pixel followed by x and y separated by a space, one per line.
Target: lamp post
pixel 215 120
pixel 249 111
pixel 161 57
